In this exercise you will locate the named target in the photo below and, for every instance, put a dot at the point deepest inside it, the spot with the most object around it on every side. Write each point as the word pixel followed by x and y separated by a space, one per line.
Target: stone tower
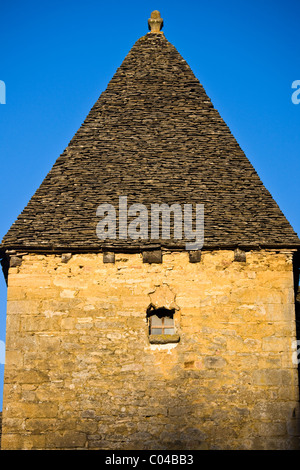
pixel 121 332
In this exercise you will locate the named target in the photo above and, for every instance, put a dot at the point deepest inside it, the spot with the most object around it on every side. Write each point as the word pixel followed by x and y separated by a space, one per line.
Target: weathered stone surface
pixel 65 257
pixel 152 257
pixel 155 136
pixel 195 256
pixel 15 261
pixel 163 297
pixel 164 339
pixel 108 257
pixel 155 22
pixel 239 255
pixel 293 424
pixel 82 373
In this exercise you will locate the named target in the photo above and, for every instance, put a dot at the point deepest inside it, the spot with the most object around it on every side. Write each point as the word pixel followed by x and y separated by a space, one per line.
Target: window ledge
pixel 164 339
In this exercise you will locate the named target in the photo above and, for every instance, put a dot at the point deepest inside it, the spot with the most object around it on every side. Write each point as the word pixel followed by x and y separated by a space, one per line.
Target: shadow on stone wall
pixel 297 307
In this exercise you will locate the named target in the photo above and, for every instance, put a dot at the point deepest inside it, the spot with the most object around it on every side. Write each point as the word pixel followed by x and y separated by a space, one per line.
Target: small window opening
pixel 161 321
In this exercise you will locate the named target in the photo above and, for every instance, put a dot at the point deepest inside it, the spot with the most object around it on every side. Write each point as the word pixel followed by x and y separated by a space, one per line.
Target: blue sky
pixel 57 57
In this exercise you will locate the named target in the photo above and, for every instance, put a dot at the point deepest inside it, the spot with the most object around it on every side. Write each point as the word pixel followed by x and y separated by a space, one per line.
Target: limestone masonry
pixel 140 344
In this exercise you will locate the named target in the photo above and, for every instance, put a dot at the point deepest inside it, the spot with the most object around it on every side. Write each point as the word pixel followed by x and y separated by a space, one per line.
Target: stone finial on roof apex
pixel 155 23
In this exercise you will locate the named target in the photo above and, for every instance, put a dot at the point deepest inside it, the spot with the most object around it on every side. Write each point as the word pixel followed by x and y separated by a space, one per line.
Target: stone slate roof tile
pixel 153 136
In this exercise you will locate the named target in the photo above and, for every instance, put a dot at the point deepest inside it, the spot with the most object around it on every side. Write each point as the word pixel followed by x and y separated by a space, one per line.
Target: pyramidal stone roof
pixel 155 137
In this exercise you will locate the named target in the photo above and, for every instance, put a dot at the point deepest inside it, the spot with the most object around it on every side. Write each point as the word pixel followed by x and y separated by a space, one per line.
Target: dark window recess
pixel 161 322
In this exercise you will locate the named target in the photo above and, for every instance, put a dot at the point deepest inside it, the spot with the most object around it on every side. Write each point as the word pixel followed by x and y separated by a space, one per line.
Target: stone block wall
pixel 80 371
